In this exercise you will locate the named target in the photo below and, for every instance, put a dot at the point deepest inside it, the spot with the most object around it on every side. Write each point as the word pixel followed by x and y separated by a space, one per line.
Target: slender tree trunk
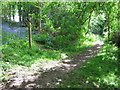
pixel 4 13
pixel 9 12
pixel 23 16
pixel 108 20
pixel 13 13
pixel 20 11
pixel 119 15
pixel 89 23
pixel 30 35
pixel 40 23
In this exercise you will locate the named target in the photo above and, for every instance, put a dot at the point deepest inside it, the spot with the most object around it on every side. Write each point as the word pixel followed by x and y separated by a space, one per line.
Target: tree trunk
pixel 9 12
pixel 30 35
pixel 89 23
pixel 108 20
pixel 40 23
pixel 20 11
pixel 13 12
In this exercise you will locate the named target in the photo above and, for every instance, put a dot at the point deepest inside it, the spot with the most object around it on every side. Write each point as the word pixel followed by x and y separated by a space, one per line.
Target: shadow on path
pixel 53 76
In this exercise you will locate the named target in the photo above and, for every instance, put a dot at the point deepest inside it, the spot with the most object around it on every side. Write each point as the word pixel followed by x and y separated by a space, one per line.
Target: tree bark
pixel 40 23
pixel 13 12
pixel 89 23
pixel 108 20
pixel 30 35
pixel 19 11
pixel 9 12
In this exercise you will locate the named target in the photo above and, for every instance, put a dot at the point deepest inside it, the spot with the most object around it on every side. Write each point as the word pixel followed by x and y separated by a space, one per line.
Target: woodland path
pixel 54 71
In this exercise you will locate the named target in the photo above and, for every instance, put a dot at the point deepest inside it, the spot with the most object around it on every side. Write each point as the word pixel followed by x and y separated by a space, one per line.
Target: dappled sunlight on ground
pixel 64 56
pixel 110 79
pixel 50 73
pixel 99 42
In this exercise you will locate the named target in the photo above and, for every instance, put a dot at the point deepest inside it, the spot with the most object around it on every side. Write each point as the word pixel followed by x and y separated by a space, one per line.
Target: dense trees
pixel 59 27
pixel 64 23
pixel 52 15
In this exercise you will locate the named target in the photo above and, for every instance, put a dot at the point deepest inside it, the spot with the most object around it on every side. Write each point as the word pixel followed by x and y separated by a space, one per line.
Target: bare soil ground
pixel 50 73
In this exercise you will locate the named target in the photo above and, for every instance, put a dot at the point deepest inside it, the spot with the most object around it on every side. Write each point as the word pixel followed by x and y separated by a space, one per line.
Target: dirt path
pixel 55 71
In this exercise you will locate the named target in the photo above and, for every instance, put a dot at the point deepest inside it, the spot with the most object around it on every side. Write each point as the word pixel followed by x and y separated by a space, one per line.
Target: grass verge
pixel 99 72
pixel 16 51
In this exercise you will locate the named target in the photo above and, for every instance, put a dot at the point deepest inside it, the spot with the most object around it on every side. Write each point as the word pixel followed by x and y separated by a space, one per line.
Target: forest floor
pixel 51 73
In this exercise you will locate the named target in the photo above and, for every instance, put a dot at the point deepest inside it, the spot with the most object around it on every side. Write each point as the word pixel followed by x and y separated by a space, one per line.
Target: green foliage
pixel 97 24
pixel 44 38
pixel 17 51
pixel 20 54
pixel 61 41
pixel 99 72
pixel 66 27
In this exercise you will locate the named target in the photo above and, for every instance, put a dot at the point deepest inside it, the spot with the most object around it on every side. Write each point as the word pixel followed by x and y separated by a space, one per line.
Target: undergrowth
pixel 16 51
pixel 99 72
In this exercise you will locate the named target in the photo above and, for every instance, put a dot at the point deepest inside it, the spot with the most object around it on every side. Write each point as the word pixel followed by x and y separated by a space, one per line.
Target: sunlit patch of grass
pixel 99 72
pixel 26 56
pixel 81 44
pixel 91 39
pixel 110 79
pixel 73 50
pixel 16 51
pixel 18 54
